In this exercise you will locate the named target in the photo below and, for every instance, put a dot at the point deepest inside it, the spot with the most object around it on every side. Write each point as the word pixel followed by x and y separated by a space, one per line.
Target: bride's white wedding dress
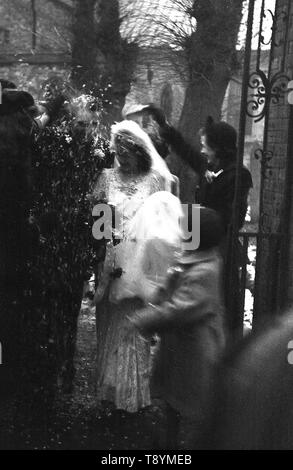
pixel 144 254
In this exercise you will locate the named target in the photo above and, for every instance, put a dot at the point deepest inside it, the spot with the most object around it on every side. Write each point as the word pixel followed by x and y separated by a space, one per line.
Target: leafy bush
pixel 67 158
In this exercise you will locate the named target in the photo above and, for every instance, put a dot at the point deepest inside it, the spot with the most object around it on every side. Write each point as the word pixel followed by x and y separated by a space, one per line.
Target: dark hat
pixel 220 136
pixel 15 100
pixel 211 227
pixel 7 84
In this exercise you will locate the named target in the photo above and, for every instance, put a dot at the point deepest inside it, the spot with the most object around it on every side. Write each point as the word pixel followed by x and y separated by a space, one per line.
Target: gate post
pixel 232 283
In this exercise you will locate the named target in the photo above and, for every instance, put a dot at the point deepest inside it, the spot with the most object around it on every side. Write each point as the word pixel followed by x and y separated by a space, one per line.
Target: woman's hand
pixel 209 175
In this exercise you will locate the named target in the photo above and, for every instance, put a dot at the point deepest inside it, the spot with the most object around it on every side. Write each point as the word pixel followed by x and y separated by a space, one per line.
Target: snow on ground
pixel 250 278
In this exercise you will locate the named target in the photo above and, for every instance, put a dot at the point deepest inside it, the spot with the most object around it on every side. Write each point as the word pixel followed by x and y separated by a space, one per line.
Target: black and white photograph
pixel 146 227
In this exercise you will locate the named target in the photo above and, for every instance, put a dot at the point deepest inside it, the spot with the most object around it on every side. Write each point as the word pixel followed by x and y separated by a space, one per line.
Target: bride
pixel 147 237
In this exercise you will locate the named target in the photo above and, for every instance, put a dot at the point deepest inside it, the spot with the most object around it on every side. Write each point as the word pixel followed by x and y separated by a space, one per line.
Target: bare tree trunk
pixel 211 55
pixel 102 61
pixel 203 98
pixel 212 59
pixel 117 58
pixel 84 44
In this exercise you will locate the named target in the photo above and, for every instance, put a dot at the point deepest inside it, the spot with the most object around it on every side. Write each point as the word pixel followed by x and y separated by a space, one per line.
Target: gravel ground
pixel 73 421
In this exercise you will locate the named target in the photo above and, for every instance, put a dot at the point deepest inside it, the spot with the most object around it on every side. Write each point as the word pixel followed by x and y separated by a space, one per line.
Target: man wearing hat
pixel 140 113
pixel 17 112
pixel 19 236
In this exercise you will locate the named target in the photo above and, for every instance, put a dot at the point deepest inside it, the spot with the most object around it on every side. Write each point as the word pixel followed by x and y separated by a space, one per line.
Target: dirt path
pixel 73 420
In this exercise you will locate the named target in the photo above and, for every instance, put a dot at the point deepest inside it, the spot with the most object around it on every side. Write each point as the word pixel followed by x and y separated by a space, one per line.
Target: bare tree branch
pixel 152 23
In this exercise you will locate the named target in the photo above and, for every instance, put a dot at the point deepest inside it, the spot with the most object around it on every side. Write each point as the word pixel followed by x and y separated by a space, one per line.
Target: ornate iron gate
pixel 261 90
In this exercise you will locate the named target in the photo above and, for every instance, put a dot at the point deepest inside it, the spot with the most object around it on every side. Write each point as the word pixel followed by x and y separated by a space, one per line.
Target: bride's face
pixel 126 156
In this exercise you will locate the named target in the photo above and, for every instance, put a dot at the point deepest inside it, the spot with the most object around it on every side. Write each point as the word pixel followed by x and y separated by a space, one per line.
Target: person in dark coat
pixel 17 111
pixel 19 234
pixel 216 164
pixel 189 321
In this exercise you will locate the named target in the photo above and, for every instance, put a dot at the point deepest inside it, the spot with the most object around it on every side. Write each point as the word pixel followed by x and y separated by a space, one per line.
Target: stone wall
pixel 53 25
pixel 16 39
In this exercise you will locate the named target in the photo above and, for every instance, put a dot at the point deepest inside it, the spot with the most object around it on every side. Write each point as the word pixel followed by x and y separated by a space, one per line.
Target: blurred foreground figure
pixel 254 409
pixel 17 112
pixel 189 321
pixel 23 284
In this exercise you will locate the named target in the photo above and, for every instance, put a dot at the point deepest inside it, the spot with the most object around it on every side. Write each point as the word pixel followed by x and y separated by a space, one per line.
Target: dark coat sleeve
pixel 183 149
pixel 224 204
